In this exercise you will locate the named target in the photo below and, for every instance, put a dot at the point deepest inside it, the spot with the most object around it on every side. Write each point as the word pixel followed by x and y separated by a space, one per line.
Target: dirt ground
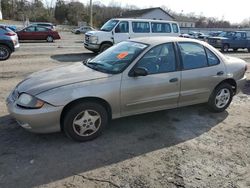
pixel 185 147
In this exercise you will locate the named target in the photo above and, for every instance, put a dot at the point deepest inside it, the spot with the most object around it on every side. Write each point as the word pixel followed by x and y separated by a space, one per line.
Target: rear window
pixel 175 28
pixel 140 27
pixel 161 27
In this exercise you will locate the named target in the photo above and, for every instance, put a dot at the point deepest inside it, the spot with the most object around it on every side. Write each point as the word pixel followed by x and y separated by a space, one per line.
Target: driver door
pixel 160 89
pixel 121 32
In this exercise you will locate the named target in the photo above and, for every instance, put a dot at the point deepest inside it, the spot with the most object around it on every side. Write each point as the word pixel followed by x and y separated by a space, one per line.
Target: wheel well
pixel 231 82
pixel 104 103
pixel 106 42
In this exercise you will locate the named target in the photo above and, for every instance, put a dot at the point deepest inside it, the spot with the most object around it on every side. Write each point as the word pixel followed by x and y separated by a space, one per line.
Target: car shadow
pixel 29 159
pixel 72 57
pixel 246 88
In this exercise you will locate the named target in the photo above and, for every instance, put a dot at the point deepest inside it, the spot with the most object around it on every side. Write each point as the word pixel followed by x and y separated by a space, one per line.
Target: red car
pixel 38 33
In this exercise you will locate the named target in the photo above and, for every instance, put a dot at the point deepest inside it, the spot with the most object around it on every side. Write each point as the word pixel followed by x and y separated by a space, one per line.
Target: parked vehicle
pixel 117 30
pixel 231 40
pixel 8 42
pixel 214 33
pixel 44 24
pixel 38 33
pixel 82 29
pixel 132 77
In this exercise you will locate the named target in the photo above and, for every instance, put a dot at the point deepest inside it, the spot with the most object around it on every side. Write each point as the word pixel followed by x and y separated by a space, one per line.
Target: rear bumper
pixel 240 84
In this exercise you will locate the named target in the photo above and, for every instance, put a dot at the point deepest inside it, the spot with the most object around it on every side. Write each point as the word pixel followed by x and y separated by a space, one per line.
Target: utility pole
pixel 91 13
pixel 1 16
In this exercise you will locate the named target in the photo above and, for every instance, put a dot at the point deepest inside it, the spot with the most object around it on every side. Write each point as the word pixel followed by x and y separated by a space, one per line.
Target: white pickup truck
pixel 120 29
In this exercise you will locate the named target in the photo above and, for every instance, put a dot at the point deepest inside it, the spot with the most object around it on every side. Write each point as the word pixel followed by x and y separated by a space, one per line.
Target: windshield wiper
pixel 97 66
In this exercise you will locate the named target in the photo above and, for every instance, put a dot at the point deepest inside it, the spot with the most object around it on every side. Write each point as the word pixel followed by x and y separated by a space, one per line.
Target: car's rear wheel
pixel 225 48
pixel 105 47
pixel 85 121
pixel 50 39
pixel 248 50
pixel 221 98
pixel 4 52
pixel 235 49
pixel 77 32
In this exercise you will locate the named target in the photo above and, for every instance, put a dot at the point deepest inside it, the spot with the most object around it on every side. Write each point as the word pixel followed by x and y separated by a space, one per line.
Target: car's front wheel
pixel 225 48
pixel 4 52
pixel 221 98
pixel 85 121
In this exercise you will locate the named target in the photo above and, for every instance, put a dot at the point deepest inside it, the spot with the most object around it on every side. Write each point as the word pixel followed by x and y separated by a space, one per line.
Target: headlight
pixel 28 101
pixel 93 39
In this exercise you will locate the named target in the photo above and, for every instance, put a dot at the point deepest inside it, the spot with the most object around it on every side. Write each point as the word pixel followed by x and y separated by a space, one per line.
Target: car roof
pixel 156 40
pixel 142 20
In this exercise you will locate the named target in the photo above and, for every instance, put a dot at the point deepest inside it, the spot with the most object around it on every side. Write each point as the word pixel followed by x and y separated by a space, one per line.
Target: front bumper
pixel 43 120
pixel 94 47
pixel 241 83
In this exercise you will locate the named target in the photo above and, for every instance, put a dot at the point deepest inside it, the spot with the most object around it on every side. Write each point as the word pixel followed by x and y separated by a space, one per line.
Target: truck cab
pixel 120 29
pixel 231 40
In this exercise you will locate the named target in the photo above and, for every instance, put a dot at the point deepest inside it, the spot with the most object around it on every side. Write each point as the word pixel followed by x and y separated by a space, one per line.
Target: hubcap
pixel 225 48
pixel 222 98
pixel 87 123
pixel 3 53
pixel 50 39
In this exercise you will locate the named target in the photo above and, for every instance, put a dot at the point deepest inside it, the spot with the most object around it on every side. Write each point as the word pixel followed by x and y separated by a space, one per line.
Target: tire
pixel 5 52
pixel 50 39
pixel 235 49
pixel 215 99
pixel 77 32
pixel 95 51
pixel 225 48
pixel 104 47
pixel 85 121
pixel 248 50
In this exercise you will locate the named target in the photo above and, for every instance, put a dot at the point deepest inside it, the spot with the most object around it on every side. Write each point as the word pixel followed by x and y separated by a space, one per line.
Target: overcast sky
pixel 233 11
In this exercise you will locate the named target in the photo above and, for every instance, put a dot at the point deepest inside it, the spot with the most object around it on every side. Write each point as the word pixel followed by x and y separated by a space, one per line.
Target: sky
pixel 233 11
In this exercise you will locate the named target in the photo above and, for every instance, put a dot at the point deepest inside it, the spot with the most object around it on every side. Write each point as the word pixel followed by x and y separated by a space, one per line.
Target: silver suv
pixel 8 42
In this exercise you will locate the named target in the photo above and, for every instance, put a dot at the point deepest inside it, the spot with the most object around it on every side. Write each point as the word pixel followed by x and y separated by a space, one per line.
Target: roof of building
pixel 140 12
pixel 181 18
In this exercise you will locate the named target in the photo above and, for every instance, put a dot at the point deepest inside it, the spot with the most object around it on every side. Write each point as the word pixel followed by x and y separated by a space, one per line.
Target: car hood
pixel 221 38
pixel 57 77
pixel 97 33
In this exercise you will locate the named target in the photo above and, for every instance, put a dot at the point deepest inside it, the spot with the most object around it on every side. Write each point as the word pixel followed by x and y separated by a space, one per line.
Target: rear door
pixel 41 33
pixel 201 72
pixel 240 40
pixel 121 32
pixel 159 89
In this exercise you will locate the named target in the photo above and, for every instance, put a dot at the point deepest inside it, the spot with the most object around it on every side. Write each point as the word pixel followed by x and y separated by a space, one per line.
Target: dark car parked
pixel 8 42
pixel 38 33
pixel 231 40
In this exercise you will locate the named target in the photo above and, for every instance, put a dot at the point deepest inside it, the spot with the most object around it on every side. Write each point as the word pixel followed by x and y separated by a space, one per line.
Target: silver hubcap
pixel 50 39
pixel 87 123
pixel 3 53
pixel 222 98
pixel 225 48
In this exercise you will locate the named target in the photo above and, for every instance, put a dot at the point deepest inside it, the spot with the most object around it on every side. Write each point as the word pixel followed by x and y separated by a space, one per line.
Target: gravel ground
pixel 185 147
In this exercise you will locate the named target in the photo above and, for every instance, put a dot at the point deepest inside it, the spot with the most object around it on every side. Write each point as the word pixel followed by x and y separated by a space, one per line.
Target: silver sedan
pixel 132 77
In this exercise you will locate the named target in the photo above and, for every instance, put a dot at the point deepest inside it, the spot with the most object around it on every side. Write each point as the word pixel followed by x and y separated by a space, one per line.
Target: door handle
pixel 173 80
pixel 220 73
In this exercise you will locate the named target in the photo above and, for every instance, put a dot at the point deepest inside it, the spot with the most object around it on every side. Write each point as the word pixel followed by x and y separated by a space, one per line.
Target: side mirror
pixel 139 71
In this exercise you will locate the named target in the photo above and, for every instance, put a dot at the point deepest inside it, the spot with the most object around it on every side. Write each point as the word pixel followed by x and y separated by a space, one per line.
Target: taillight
pixel 10 34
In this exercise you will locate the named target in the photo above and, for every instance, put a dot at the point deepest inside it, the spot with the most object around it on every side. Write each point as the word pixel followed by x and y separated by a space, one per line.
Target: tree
pixel 60 11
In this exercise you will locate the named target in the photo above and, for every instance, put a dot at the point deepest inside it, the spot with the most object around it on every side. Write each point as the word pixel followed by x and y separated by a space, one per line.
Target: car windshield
pixel 115 59
pixel 109 25
pixel 226 34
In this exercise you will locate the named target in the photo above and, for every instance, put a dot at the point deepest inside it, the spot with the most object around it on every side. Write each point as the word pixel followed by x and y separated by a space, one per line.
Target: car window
pixel 175 28
pixel 212 58
pixel 41 29
pixel 140 27
pixel 30 29
pixel 160 59
pixel 160 27
pixel 122 27
pixel 193 55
